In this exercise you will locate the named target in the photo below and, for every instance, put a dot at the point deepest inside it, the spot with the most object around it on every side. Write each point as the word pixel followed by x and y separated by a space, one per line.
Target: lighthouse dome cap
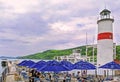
pixel 105 11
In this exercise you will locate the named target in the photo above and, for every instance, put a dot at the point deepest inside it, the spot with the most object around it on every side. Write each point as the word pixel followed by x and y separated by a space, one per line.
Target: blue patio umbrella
pixel 38 65
pixel 67 64
pixel 41 61
pixel 27 63
pixel 54 66
pixel 84 65
pixel 52 62
pixel 111 65
pixel 19 64
pixel 30 64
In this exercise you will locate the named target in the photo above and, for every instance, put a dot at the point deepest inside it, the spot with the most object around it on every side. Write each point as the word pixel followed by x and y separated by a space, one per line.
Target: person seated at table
pixel 73 75
pixel 42 77
pixel 68 78
pixel 78 77
pixel 56 76
pixel 84 74
pixel 24 74
pixel 32 75
pixel 64 80
pixel 78 74
pixel 48 77
pixel 37 77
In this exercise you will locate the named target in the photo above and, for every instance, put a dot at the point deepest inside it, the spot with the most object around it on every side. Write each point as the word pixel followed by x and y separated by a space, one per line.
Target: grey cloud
pixel 34 24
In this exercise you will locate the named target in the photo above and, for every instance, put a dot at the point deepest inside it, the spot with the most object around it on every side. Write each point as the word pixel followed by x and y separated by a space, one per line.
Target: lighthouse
pixel 105 38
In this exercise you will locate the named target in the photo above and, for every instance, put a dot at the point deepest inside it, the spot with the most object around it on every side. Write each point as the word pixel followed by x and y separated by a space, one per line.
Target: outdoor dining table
pixel 107 81
pixel 61 78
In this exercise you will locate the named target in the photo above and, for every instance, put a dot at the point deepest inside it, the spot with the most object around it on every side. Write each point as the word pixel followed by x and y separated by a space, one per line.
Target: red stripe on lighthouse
pixel 106 35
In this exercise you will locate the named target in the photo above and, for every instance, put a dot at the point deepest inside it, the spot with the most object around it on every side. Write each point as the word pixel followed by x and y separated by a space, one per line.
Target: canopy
pixel 84 65
pixel 67 64
pixel 27 63
pixel 38 65
pixel 110 65
pixel 41 61
pixel 54 66
pixel 22 62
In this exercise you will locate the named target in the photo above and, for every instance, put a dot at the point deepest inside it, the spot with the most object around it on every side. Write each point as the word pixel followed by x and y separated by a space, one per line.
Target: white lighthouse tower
pixel 105 38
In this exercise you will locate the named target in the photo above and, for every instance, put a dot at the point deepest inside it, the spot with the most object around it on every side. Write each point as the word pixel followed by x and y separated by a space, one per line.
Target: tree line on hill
pixel 50 54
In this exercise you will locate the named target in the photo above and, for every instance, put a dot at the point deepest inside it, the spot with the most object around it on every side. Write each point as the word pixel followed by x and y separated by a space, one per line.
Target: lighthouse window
pixel 105 13
pixel 108 15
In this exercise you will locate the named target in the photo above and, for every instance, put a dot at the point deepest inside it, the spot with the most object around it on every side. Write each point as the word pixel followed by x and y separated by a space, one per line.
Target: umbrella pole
pixel 112 73
pixel 96 72
pixel 107 73
pixel 81 72
pixel 86 72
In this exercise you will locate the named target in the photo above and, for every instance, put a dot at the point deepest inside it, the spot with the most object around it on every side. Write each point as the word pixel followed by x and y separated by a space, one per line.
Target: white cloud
pixel 61 27
pixel 69 27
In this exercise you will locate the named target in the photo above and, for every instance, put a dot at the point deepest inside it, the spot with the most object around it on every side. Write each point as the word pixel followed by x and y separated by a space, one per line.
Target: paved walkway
pixel 10 78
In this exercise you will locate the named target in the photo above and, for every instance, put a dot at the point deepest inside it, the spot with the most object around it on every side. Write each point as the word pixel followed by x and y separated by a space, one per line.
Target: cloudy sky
pixel 30 26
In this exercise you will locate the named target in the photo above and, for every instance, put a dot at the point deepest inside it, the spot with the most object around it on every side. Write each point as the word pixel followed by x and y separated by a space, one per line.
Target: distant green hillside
pixel 50 54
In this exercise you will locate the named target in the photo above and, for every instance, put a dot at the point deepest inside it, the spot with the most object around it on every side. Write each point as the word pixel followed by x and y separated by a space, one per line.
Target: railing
pixel 3 74
pixel 105 17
